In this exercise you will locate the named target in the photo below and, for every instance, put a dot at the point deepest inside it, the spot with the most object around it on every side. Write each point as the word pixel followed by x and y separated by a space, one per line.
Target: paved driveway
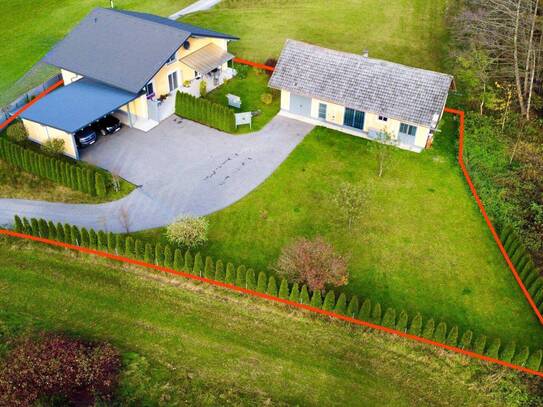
pixel 181 167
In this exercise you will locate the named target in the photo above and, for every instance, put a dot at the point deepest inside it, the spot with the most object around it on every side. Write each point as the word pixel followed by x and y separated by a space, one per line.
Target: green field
pixel 186 344
pixel 35 26
pixel 404 31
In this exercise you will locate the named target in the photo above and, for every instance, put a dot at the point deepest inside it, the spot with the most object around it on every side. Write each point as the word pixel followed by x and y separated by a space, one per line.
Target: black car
pixel 86 136
pixel 108 125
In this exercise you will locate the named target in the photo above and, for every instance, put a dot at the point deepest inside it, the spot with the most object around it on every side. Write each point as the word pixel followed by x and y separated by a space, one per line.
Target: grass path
pixel 202 346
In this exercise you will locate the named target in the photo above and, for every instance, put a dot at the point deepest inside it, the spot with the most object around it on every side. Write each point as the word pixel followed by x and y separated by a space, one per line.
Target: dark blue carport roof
pixel 78 104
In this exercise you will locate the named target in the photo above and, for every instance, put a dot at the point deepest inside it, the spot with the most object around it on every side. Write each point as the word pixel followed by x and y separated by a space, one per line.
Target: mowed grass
pixel 405 31
pixel 31 28
pixel 421 243
pixel 204 346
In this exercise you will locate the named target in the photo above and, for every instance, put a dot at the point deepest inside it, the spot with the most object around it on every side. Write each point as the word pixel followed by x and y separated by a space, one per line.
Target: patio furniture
pixel 234 101
pixel 244 118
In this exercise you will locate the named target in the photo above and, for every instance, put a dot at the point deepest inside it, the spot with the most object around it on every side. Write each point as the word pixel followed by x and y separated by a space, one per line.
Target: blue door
pixel 353 118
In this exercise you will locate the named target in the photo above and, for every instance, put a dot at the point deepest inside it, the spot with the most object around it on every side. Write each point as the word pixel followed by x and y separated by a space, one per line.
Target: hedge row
pixel 204 111
pixel 55 169
pixel 168 256
pixel 528 273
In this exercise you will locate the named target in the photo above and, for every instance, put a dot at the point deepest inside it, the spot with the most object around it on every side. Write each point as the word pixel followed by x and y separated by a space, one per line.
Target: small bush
pixel 452 337
pixel 168 256
pixel 266 98
pixel 329 301
pixel 283 289
pixel 389 319
pixel 250 280
pixel 534 361
pixel 465 341
pixel 376 314
pixel 365 310
pixel 209 270
pixel 198 265
pixel 294 293
pixel 100 186
pixel 188 231
pixel 272 287
pixel 17 132
pixel 177 259
pixel 53 147
pixel 522 356
pixel 352 309
pixel 203 88
pixel 508 352
pixel 189 261
pixel 403 319
pixel 428 331
pixel 493 350
pixel 341 304
pixel 219 271
pixel 241 273
pixel 230 274
pixel 304 295
pixel 316 299
pixel 262 281
pixel 480 344
pixel 441 332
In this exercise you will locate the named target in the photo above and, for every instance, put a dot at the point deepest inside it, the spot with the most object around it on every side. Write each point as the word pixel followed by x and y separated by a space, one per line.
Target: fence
pixel 22 100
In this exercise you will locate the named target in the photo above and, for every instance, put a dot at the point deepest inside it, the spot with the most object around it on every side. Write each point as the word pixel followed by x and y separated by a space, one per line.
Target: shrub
pixel 129 246
pixel 75 237
pixel 110 242
pixel 53 147
pixel 452 337
pixel 242 70
pixel 428 331
pixel 376 314
pixel 43 228
pixel 266 98
pixel 198 265
pixel 440 332
pixel 205 111
pixel 352 309
pixel 365 310
pixel 17 132
pixel 304 295
pixel 18 224
pixel 403 319
pixel 84 237
pixel 35 227
pixel 534 361
pixel 168 256
pixel 140 249
pixel 209 270
pixel 177 259
pixel 493 350
pixel 189 261
pixel 52 235
pixel 188 231
pixel 100 185
pixel 272 287
pixel 48 368
pixel 93 239
pixel 316 299
pixel 480 344
pixel 219 271
pixel 313 262
pixel 261 284
pixel 159 254
pixel 508 352
pixel 522 356
pixel 230 277
pixel 294 293
pixel 203 88
pixel 250 281
pixel 60 233
pixel 283 289
pixel 119 244
pixel 240 276
pixel 329 301
pixel 389 319
pixel 149 254
pixel 341 305
pixel 465 341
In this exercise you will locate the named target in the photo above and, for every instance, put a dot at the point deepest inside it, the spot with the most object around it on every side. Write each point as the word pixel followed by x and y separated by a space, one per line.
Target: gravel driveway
pixel 181 167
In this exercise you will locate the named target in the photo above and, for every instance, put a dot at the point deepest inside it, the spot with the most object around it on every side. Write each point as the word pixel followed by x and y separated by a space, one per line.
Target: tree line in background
pixel 241 276
pixel 496 56
pixel 206 112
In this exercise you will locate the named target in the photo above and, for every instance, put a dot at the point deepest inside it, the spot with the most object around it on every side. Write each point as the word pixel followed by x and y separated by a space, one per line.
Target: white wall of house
pixel 335 116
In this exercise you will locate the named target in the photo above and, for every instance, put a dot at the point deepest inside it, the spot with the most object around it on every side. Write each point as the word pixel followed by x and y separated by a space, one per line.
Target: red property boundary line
pixel 40 96
pixel 460 114
pixel 354 321
pixel 293 304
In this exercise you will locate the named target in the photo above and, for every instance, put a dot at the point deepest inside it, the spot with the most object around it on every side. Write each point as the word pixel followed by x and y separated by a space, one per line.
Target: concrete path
pixel 194 7
pixel 182 168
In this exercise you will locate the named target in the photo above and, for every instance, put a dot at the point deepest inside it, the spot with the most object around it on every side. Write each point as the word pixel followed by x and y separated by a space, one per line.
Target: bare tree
pixel 384 140
pixel 350 201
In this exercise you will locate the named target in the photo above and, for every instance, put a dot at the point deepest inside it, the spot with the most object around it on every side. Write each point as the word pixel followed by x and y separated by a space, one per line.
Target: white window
pixel 173 81
pixel 383 118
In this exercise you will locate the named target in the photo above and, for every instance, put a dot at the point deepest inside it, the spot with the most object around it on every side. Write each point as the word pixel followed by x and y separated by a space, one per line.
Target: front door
pixel 300 105
pixel 173 81
pixel 353 118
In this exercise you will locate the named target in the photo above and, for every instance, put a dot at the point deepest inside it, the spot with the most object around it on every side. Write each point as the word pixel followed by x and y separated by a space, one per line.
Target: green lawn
pixel 249 89
pixel 404 31
pixel 187 344
pixel 31 28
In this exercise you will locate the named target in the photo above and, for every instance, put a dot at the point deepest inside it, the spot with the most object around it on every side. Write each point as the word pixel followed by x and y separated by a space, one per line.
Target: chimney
pixel 365 53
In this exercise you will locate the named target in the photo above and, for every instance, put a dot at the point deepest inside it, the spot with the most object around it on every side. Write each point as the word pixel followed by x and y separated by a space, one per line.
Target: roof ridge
pixel 362 58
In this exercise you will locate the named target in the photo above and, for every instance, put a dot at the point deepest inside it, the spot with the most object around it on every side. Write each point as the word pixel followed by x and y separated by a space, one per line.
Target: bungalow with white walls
pixel 359 95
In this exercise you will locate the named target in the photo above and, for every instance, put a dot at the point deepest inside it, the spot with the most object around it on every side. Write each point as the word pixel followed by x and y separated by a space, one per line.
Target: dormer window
pixel 171 59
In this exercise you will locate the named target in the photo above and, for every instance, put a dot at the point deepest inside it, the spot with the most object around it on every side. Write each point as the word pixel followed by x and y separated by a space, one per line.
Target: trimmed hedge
pixel 268 284
pixel 55 169
pixel 206 112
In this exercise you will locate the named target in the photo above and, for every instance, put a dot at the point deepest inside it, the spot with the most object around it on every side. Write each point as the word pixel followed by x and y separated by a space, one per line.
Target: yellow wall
pixel 138 108
pixel 69 77
pixel 160 81
pixel 40 134
pixel 335 114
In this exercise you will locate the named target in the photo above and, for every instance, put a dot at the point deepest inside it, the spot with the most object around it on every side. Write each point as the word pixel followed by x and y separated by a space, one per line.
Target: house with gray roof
pixel 128 64
pixel 359 95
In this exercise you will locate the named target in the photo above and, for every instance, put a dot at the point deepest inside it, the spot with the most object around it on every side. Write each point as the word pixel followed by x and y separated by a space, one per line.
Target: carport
pixel 71 108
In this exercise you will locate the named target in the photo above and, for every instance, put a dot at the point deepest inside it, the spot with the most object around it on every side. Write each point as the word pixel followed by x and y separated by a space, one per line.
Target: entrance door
pixel 173 81
pixel 354 118
pixel 300 105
